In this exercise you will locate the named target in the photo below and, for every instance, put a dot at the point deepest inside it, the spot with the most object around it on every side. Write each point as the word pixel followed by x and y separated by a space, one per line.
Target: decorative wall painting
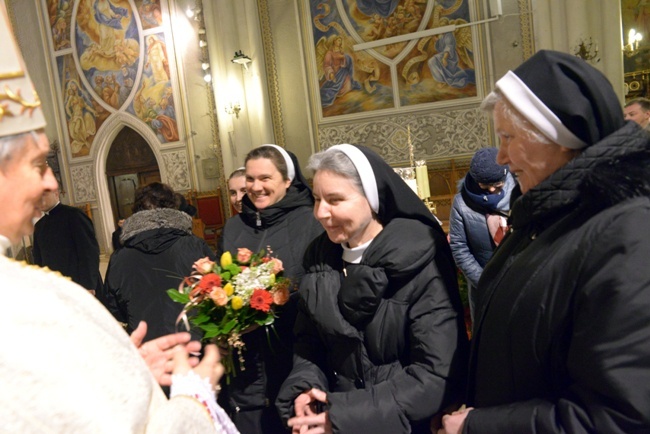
pixel 150 13
pixel 154 102
pixel 431 69
pixel 59 13
pixel 83 114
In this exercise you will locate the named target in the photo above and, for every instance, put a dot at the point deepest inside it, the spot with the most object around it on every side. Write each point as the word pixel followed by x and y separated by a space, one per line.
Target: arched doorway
pixel 130 164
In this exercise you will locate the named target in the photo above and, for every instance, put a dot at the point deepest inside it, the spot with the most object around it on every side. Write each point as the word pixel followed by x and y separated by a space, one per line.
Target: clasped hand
pixel 307 419
pixel 171 354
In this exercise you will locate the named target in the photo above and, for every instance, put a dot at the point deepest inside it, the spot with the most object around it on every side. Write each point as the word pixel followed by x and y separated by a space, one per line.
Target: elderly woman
pixel 562 335
pixel 379 336
pixel 277 214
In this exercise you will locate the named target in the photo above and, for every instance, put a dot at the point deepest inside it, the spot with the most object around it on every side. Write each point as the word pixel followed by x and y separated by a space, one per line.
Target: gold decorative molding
pixel 10 75
pixel 271 73
pixel 25 106
pixel 526 28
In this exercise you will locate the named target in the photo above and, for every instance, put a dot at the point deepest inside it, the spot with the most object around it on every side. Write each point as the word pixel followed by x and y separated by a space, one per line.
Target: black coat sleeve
pixel 307 361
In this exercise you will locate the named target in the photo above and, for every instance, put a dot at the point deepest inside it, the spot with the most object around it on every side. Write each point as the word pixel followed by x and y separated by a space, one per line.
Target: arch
pixel 101 146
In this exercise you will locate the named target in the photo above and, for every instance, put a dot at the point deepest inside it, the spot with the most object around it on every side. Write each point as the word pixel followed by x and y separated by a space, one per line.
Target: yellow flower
pixel 237 303
pixel 228 288
pixel 226 259
pixel 272 279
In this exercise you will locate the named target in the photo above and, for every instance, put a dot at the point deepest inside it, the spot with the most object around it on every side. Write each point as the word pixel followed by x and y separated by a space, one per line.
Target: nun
pixel 561 341
pixel 380 336
pixel 277 215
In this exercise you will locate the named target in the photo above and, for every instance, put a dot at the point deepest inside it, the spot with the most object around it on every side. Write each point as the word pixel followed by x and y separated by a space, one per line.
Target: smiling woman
pixel 276 215
pixel 380 338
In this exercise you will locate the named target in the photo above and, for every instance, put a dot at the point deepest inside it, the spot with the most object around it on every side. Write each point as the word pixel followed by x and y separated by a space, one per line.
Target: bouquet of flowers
pixel 229 298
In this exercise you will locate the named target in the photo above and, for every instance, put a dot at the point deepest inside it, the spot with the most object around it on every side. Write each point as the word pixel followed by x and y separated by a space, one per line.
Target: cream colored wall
pixel 561 24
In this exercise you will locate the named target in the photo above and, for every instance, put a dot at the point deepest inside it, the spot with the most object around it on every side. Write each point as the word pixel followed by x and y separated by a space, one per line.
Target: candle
pixel 422 176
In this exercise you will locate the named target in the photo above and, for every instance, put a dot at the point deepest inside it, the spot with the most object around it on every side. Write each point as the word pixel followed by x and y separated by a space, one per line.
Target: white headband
pixel 537 113
pixel 365 171
pixel 291 171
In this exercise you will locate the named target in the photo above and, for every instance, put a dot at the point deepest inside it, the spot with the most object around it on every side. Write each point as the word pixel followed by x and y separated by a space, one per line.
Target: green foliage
pixel 463 288
pixel 177 296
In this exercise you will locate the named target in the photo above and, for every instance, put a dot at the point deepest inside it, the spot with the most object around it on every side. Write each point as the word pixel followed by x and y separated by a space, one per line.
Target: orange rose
pixel 203 265
pixel 219 297
pixel 281 296
pixel 244 255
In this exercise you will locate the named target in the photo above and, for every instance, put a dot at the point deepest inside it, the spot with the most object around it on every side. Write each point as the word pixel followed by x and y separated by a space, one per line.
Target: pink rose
pixel 244 255
pixel 203 265
pixel 277 265
pixel 219 297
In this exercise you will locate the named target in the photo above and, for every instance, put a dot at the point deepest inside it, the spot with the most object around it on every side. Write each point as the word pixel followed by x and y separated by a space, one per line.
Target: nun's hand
pixel 453 423
pixel 307 420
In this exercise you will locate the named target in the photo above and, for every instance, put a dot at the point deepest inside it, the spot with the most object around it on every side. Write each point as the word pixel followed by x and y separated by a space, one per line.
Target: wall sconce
pixel 632 47
pixel 233 108
pixel 587 50
pixel 241 59
pixel 193 12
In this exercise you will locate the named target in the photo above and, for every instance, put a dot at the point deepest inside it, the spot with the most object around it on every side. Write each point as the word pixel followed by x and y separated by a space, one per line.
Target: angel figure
pixel 335 70
pixel 81 118
pixel 444 65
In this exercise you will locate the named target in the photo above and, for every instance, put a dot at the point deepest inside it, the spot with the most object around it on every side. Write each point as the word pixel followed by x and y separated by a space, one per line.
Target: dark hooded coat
pixel 385 339
pixel 561 342
pixel 287 227
pixel 158 250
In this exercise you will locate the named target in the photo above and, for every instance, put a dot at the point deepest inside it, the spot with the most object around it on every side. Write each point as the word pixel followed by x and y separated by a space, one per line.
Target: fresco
pixel 82 113
pixel 108 48
pixel 150 13
pixel 117 61
pixel 60 16
pixel 437 68
pixel 154 102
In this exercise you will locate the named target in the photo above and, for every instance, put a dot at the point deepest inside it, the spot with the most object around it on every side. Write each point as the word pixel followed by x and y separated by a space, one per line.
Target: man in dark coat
pixel 64 241
pixel 561 339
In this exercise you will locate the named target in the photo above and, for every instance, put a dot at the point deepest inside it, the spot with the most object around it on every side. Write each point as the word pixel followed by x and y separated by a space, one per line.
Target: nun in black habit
pixel 380 337
pixel 561 342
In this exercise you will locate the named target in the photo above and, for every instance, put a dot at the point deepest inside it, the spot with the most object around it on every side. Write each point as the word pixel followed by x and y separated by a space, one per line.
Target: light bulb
pixel 189 12
pixel 205 66
pixel 207 77
pixel 202 43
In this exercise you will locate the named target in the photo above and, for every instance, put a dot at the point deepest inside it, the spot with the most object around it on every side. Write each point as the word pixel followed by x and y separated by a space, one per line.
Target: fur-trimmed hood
pixel 153 230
